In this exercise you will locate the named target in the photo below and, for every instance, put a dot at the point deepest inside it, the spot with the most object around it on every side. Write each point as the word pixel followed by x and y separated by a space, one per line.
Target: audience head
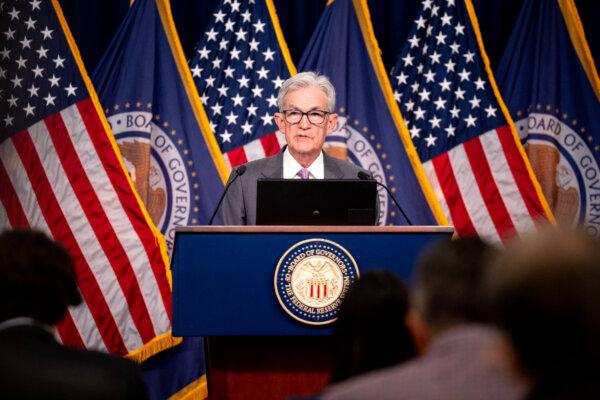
pixel 545 293
pixel 449 278
pixel 371 332
pixel 37 277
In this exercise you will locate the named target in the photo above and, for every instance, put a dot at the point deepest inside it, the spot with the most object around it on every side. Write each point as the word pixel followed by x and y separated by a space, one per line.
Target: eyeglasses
pixel 315 117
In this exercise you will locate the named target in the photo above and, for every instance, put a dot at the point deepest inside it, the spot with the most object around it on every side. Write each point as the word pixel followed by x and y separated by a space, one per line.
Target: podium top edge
pixel 314 229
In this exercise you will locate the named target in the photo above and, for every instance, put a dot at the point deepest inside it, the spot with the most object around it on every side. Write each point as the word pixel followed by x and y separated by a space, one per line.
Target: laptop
pixel 316 202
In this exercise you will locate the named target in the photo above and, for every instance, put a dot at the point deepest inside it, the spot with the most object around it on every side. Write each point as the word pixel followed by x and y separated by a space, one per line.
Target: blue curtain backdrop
pixel 94 22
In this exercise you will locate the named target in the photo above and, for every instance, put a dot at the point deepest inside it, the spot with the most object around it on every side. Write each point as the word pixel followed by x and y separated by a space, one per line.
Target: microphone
pixel 238 172
pixel 362 175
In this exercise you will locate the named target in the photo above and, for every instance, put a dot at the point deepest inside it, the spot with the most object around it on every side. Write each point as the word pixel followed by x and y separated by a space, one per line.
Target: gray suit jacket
pixel 239 205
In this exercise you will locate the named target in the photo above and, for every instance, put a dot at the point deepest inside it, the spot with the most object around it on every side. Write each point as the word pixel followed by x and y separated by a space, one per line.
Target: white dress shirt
pixel 291 167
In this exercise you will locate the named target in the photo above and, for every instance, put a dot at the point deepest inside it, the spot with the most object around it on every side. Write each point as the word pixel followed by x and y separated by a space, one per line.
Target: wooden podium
pixel 223 289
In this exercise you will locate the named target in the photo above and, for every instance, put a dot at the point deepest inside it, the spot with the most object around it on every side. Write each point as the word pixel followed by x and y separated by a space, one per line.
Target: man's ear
pixel 279 121
pixel 419 329
pixel 331 122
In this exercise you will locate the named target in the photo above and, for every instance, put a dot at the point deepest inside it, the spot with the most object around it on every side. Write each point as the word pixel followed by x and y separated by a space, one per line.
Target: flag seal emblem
pixel 158 167
pixel 353 144
pixel 566 169
pixel 312 278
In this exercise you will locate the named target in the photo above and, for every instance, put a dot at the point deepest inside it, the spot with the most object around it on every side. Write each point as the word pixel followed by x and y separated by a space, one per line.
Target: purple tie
pixel 303 173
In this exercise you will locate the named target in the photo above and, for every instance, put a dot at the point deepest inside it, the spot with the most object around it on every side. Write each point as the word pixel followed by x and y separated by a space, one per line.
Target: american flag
pixel 459 127
pixel 59 172
pixel 238 68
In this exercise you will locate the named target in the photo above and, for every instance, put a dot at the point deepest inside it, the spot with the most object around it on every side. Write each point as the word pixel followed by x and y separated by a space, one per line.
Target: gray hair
pixel 307 79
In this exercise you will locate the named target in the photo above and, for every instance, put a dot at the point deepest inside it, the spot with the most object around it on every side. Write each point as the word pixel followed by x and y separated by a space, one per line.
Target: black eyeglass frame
pixel 285 117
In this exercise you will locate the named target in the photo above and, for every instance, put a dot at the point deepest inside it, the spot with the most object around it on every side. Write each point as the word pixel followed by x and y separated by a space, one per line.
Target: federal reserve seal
pixel 351 141
pixel 312 278
pixel 159 168
pixel 566 168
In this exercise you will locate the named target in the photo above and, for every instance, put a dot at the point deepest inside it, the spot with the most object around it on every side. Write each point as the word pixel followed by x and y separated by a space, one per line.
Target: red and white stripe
pixel 62 175
pixel 484 187
pixel 262 147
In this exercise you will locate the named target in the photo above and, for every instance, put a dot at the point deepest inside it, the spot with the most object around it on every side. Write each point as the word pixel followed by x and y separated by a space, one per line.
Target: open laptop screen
pixel 316 202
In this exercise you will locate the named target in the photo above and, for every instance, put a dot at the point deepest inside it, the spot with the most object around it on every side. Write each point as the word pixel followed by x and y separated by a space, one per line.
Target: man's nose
pixel 304 122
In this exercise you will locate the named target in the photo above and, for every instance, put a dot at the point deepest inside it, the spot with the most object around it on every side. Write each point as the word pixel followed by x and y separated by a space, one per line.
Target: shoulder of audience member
pixel 368 385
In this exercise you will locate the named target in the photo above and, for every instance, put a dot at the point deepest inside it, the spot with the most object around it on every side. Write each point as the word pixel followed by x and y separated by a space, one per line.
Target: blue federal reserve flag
pixel 149 97
pixel 370 130
pixel 551 87
pixel 153 108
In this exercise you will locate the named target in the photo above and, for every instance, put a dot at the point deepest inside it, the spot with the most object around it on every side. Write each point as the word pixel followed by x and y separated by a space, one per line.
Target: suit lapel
pixel 274 166
pixel 332 171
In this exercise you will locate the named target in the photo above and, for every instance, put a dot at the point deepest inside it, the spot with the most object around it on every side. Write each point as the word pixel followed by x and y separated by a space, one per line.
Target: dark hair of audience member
pixel 449 282
pixel 545 293
pixel 370 332
pixel 37 277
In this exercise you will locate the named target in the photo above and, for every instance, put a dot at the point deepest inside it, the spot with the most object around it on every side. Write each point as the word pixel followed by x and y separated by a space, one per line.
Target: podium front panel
pixel 223 277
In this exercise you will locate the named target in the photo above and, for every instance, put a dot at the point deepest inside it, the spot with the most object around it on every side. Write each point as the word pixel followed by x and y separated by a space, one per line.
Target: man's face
pixel 305 140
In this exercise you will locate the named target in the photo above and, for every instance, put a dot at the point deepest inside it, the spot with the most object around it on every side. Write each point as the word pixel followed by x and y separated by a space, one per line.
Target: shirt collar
pixel 291 166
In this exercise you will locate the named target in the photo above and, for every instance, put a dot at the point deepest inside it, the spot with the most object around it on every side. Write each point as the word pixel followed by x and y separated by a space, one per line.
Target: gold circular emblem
pixel 312 278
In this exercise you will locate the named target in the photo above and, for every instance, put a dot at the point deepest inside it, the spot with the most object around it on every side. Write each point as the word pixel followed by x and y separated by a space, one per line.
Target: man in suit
pixel 306 115
pixel 462 356
pixel 37 284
